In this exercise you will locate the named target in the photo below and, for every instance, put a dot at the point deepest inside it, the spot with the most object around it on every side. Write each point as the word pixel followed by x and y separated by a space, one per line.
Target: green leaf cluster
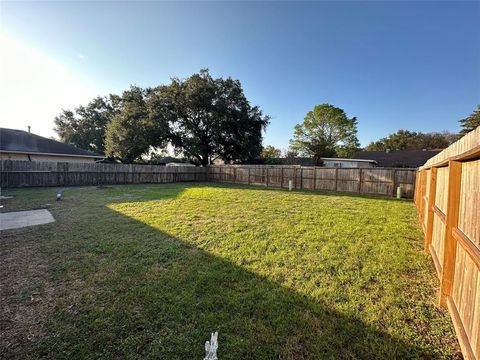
pixel 471 122
pixel 326 131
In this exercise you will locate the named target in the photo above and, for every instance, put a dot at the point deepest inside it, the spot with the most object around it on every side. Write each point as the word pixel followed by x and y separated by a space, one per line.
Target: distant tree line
pixel 411 140
pixel 327 132
pixel 203 119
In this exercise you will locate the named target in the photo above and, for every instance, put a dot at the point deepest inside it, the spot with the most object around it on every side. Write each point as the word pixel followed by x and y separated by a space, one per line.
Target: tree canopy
pixel 471 122
pixel 326 131
pixel 212 118
pixel 270 151
pixel 134 129
pixel 85 126
pixel 411 140
pixel 203 118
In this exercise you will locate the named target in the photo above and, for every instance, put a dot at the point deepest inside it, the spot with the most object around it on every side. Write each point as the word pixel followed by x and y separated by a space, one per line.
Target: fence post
pixel 281 184
pixel 360 181
pixel 301 177
pixel 336 179
pixel 423 188
pixel 451 221
pixel 430 206
pixel 314 178
pixel 418 188
pixel 415 191
pixel 235 175
pixel 249 176
pixel 394 182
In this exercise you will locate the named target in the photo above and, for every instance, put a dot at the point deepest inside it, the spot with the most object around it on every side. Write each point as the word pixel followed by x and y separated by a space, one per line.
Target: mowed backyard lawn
pixel 149 271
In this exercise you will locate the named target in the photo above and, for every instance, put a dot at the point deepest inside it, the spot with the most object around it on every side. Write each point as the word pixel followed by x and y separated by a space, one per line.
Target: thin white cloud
pixel 34 87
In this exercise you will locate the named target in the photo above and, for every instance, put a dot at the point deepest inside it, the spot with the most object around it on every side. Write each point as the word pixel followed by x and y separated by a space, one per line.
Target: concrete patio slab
pixel 19 219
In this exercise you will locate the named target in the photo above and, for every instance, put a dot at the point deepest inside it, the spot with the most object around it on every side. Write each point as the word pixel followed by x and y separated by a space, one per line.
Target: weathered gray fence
pixel 383 181
pixel 48 173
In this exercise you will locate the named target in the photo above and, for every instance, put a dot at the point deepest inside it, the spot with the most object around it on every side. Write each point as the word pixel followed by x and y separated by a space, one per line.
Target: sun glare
pixel 35 87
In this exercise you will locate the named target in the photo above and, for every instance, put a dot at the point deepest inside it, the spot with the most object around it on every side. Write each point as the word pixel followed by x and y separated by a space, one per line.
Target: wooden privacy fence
pixel 48 173
pixel 447 198
pixel 383 181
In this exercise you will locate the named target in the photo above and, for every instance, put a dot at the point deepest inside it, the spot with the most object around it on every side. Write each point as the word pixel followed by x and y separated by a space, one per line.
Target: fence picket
pixel 357 180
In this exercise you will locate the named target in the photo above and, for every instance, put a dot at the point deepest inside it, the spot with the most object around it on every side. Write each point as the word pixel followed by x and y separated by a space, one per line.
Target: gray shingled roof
pixel 398 158
pixel 20 141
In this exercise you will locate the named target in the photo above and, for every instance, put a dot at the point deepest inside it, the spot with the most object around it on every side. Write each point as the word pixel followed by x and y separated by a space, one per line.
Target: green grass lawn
pixel 149 271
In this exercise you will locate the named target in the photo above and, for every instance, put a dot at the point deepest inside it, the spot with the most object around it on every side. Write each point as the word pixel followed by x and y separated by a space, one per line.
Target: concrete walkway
pixel 19 219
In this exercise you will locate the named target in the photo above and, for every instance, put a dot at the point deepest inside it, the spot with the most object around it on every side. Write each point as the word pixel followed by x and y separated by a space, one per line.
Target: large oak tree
pixel 211 118
pixel 202 117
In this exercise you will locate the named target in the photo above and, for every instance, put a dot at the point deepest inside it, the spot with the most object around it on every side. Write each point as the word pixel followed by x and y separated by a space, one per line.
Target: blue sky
pixel 410 65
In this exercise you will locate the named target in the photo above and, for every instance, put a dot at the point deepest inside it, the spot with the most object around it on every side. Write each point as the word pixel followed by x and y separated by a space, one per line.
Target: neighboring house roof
pixel 22 142
pixel 398 158
pixel 303 161
pixel 179 164
pixel 348 159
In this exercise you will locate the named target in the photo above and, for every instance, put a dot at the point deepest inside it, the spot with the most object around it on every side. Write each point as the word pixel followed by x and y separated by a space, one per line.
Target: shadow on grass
pixel 146 294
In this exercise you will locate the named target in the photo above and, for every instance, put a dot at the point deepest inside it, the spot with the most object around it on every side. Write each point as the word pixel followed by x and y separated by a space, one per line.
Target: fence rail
pixel 447 198
pixel 382 181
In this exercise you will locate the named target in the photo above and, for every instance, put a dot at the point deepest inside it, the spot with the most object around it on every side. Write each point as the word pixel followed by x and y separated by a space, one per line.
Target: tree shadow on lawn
pixel 146 294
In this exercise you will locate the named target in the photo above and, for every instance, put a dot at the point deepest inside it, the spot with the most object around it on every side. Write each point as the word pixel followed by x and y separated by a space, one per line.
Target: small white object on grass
pixel 289 185
pixel 399 192
pixel 211 347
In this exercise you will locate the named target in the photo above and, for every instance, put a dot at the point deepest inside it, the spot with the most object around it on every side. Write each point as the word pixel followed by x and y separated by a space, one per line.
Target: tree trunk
pixel 204 161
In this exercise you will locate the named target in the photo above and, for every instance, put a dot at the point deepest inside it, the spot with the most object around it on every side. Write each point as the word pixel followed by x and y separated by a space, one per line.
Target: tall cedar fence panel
pixel 46 173
pixel 380 181
pixel 447 198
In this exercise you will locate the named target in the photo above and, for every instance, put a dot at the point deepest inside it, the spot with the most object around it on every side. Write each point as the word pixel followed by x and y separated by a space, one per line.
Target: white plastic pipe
pixel 399 192
pixel 289 185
